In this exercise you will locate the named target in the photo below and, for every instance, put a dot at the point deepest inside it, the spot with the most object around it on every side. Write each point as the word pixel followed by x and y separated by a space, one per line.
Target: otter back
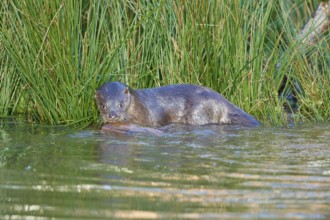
pixel 181 103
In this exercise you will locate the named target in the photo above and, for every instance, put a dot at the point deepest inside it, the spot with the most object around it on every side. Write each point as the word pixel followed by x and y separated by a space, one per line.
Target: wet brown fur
pixel 155 107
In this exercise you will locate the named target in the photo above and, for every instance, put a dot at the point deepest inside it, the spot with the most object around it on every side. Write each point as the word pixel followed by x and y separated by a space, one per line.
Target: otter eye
pixel 120 105
pixel 104 107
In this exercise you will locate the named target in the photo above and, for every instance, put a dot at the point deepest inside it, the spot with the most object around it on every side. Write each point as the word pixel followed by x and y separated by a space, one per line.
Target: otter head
pixel 113 100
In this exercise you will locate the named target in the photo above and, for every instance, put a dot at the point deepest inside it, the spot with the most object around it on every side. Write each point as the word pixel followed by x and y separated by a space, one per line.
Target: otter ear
pixel 97 94
pixel 126 91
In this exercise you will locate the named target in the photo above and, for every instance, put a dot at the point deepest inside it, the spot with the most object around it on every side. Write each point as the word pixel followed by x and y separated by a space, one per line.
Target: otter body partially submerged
pixel 180 103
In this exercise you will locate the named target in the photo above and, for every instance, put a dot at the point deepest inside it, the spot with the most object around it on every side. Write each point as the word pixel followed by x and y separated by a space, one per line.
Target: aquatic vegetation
pixel 56 53
pixel 9 86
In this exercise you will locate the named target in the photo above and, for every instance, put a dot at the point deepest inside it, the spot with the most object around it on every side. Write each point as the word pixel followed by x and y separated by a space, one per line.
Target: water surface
pixel 203 172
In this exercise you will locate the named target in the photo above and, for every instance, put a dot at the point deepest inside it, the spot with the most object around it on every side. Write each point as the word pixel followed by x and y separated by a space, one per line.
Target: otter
pixel 156 107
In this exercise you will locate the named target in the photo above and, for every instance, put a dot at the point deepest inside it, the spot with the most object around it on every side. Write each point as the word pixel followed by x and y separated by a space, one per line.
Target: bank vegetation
pixel 55 53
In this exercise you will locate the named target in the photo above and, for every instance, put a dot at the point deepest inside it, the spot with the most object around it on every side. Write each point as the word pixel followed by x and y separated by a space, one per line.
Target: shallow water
pixel 204 172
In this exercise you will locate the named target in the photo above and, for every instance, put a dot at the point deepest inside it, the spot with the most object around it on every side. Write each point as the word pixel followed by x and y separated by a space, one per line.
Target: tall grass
pixel 308 67
pixel 312 73
pixel 58 57
pixel 64 50
pixel 9 80
pixel 9 86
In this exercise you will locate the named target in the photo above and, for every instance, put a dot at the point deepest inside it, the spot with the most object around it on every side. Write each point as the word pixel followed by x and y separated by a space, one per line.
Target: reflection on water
pixel 199 172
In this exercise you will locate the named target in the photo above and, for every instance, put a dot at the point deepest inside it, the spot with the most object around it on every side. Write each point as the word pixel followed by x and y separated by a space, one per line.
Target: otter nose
pixel 112 114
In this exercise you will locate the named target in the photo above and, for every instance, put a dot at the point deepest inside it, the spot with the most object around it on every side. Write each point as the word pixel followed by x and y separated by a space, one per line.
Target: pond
pixel 199 172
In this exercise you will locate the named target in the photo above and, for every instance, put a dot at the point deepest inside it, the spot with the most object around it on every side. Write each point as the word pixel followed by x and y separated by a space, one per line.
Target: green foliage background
pixel 55 53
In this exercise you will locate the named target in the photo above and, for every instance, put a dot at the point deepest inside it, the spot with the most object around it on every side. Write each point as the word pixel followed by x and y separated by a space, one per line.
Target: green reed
pixel 9 86
pixel 9 80
pixel 63 50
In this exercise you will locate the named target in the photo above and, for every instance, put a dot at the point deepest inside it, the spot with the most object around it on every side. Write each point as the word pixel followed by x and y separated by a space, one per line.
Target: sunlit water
pixel 204 172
